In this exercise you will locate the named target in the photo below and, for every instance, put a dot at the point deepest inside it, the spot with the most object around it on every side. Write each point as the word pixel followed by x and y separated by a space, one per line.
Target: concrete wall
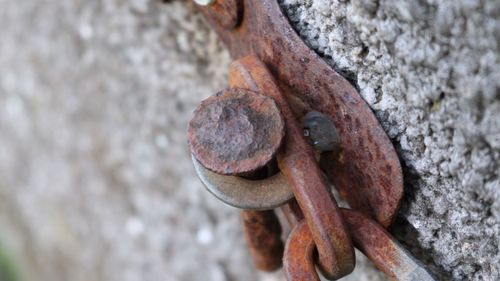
pixel 95 177
pixel 430 71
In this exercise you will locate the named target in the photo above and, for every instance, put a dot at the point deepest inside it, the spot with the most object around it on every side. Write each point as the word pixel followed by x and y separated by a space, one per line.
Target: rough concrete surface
pixel 430 71
pixel 95 177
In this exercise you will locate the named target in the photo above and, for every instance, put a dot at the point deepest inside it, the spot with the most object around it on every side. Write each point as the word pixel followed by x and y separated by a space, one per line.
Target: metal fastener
pixel 236 131
pixel 247 194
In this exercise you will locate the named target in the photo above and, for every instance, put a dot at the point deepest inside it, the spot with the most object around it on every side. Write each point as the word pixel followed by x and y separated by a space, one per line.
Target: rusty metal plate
pixel 367 173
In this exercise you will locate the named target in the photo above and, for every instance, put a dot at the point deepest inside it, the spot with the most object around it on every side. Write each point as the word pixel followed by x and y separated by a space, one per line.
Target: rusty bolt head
pixel 236 131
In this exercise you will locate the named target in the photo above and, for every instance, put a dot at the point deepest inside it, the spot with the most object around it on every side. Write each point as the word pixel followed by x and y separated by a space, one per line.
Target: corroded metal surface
pixel 247 194
pixel 297 162
pixel 383 250
pixel 228 12
pixel 298 262
pixel 236 131
pixel 262 232
pixel 371 238
pixel 367 173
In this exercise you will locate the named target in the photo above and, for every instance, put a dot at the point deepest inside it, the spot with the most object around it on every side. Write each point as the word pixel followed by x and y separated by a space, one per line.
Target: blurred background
pixel 96 181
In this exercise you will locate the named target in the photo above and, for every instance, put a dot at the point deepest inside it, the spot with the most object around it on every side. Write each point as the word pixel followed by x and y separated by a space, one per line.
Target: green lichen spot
pixel 8 270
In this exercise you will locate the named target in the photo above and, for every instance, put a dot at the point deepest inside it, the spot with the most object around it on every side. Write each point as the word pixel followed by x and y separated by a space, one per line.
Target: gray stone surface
pixel 95 178
pixel 430 71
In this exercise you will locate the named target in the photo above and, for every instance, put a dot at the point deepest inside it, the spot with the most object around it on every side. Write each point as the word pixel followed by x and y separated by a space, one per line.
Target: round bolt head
pixel 236 131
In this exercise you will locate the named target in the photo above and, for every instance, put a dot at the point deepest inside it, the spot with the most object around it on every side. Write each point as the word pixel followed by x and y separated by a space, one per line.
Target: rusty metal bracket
pixel 367 173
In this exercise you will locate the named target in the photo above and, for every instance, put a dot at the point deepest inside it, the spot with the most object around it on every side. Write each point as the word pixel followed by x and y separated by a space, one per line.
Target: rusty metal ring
pixel 369 237
pixel 241 193
pixel 298 260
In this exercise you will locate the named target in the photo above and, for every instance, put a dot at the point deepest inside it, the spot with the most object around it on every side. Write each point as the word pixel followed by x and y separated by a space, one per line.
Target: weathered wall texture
pixel 430 70
pixel 95 177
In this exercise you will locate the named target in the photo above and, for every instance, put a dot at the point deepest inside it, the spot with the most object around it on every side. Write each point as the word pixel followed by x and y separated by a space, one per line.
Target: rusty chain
pixel 250 151
pixel 312 211
pixel 297 162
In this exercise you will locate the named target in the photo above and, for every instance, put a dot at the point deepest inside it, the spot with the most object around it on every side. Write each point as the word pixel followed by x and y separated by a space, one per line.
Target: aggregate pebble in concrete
pixel 430 70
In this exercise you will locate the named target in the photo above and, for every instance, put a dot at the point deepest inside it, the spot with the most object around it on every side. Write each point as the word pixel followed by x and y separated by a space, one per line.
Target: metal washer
pixel 238 192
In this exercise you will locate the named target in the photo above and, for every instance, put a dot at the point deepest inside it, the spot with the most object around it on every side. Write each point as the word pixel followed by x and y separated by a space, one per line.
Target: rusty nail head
pixel 236 131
